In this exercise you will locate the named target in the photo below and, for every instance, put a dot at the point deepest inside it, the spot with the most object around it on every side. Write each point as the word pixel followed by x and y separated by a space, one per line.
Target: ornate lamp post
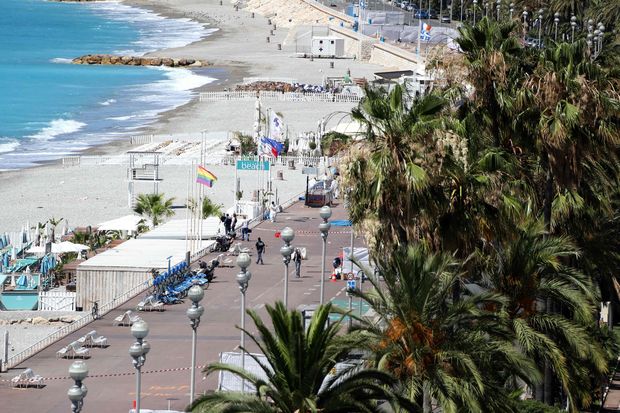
pixel 512 9
pixel 78 372
pixel 475 5
pixel 573 26
pixel 540 17
pixel 195 294
pixel 524 23
pixel 326 213
pixel 499 8
pixel 138 352
pixel 287 236
pixel 556 21
pixel 243 279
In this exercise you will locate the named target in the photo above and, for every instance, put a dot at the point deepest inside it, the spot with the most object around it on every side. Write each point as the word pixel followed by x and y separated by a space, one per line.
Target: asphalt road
pixel 111 381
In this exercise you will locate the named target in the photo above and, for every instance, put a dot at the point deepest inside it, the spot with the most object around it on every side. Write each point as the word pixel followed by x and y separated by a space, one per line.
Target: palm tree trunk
pixel 426 398
pixel 548 192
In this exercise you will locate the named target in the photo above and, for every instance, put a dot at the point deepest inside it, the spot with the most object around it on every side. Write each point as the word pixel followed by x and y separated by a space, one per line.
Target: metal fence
pixel 280 96
pixel 61 333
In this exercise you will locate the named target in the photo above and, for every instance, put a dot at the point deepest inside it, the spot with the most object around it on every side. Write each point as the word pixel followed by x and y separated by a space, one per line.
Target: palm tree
pixel 530 271
pixel 54 223
pixel 210 209
pixel 299 370
pixel 154 206
pixel 457 353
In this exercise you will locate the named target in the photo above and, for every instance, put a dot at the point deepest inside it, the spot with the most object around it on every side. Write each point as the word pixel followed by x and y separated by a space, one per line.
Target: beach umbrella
pixel 13 253
pixel 67 246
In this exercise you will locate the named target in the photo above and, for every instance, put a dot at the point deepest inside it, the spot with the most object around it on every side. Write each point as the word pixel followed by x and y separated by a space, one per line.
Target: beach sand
pixel 90 194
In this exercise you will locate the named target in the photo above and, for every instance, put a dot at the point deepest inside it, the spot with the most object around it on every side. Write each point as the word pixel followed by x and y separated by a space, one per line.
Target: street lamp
pixel 326 213
pixel 499 8
pixel 475 4
pixel 540 17
pixel 556 21
pixel 196 294
pixel 512 9
pixel 138 352
pixel 243 278
pixel 78 372
pixel 287 236
pixel 524 23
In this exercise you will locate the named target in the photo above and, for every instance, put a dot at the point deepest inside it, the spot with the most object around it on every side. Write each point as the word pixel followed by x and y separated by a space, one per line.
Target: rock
pixel 66 319
pixel 39 320
pixel 27 320
pixel 106 59
pixel 11 322
pixel 4 322
pixel 156 61
pixel 167 62
pixel 54 319
pixel 126 59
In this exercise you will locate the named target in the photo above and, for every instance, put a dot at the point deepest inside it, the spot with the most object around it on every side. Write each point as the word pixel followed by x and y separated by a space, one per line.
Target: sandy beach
pixel 90 194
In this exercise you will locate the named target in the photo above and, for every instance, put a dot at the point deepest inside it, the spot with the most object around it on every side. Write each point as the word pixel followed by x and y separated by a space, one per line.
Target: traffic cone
pixel 334 277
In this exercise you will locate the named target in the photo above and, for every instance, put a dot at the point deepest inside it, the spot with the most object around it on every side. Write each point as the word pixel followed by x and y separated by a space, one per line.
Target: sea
pixel 50 108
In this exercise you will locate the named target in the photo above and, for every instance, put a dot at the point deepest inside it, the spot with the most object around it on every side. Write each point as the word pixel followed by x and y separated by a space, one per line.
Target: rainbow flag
pixel 205 177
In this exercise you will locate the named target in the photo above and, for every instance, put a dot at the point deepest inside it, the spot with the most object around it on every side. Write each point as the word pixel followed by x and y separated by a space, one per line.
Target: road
pixel 111 381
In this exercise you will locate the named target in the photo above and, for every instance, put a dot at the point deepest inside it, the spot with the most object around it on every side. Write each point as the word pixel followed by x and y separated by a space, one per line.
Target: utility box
pixel 327 46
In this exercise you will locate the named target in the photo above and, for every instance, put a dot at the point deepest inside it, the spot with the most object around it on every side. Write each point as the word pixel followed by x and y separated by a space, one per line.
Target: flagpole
pixel 189 176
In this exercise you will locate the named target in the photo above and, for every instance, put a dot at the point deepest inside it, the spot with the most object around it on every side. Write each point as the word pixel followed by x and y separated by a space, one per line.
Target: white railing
pixel 247 80
pixel 281 96
pixel 76 325
pixel 282 160
pixel 141 139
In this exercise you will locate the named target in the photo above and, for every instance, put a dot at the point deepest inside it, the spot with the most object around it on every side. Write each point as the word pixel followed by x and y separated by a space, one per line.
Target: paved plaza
pixel 111 381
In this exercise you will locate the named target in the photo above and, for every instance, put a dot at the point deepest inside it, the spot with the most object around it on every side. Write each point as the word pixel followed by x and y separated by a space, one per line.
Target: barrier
pixel 281 96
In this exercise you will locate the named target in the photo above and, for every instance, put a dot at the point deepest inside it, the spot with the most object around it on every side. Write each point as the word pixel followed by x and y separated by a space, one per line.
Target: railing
pixel 141 139
pixel 76 325
pixel 247 80
pixel 281 96
pixel 281 160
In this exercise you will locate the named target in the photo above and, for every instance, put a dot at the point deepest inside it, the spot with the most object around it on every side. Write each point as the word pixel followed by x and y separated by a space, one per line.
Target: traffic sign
pixel 351 285
pixel 350 276
pixel 247 165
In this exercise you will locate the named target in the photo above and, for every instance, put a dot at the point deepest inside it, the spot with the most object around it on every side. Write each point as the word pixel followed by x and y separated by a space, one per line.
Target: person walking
pixel 245 231
pixel 297 259
pixel 227 223
pixel 233 224
pixel 260 249
pixel 273 211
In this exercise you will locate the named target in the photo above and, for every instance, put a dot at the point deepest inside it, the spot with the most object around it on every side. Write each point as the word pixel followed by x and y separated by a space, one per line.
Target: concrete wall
pixel 104 284
pixel 395 57
pixel 355 44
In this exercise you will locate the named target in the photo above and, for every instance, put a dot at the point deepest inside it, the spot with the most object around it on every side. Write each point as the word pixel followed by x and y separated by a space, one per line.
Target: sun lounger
pixel 92 340
pixel 150 303
pixel 127 319
pixel 27 378
pixel 73 350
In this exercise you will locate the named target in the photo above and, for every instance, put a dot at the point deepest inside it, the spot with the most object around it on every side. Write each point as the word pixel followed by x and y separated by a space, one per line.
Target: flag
pixel 205 177
pixel 276 126
pixel 271 147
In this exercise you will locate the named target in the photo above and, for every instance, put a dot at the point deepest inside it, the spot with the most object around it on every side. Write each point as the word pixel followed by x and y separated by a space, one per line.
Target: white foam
pixel 8 146
pixel 58 127
pixel 121 117
pixel 107 102
pixel 61 60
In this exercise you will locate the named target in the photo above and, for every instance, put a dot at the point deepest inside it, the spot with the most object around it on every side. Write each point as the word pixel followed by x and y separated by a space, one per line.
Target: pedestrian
pixel 273 211
pixel 233 224
pixel 227 222
pixel 260 249
pixel 297 259
pixel 245 233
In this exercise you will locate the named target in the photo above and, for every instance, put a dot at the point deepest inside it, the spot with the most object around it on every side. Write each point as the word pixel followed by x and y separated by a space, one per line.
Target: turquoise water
pixel 49 108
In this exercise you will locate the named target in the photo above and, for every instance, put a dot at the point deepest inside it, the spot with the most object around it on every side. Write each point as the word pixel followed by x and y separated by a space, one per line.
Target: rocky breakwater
pixel 107 59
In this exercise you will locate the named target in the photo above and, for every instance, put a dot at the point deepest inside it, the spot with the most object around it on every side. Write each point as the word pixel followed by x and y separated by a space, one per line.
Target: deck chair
pixel 79 351
pixel 63 352
pixel 150 303
pixel 27 378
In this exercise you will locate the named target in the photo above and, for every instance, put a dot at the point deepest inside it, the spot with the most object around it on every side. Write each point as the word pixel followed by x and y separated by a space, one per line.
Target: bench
pixel 27 378
pixel 126 319
pixel 73 350
pixel 92 340
pixel 150 303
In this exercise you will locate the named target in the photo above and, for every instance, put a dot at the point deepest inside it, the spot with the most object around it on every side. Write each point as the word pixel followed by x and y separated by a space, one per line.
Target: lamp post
pixel 499 8
pixel 196 294
pixel 540 17
pixel 573 26
pixel 512 9
pixel 78 372
pixel 287 236
pixel 138 352
pixel 243 278
pixel 461 20
pixel 556 21
pixel 524 23
pixel 326 213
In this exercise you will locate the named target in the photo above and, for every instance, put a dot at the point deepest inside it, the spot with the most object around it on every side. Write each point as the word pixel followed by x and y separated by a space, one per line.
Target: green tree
pixel 53 224
pixel 458 353
pixel 154 206
pixel 210 208
pixel 299 369
pixel 530 270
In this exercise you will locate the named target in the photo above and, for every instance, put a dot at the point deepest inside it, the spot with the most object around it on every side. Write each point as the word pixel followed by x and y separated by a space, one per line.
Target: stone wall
pixel 395 57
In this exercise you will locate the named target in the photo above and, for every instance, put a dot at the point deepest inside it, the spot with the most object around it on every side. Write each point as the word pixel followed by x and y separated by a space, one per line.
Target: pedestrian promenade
pixel 111 381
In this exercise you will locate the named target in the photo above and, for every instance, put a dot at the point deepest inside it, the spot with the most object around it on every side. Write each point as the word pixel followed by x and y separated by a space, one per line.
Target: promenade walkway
pixel 111 384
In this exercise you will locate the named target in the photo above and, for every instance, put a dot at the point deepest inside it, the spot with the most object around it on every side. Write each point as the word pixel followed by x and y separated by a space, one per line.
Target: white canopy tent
pixel 177 229
pixel 352 128
pixel 126 223
pixel 59 248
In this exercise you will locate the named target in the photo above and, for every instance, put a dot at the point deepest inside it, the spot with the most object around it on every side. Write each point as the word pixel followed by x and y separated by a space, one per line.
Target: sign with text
pixel 252 165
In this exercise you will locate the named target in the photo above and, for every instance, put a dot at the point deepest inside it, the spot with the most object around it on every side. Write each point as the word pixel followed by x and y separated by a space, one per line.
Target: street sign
pixel 351 285
pixel 350 276
pixel 243 165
